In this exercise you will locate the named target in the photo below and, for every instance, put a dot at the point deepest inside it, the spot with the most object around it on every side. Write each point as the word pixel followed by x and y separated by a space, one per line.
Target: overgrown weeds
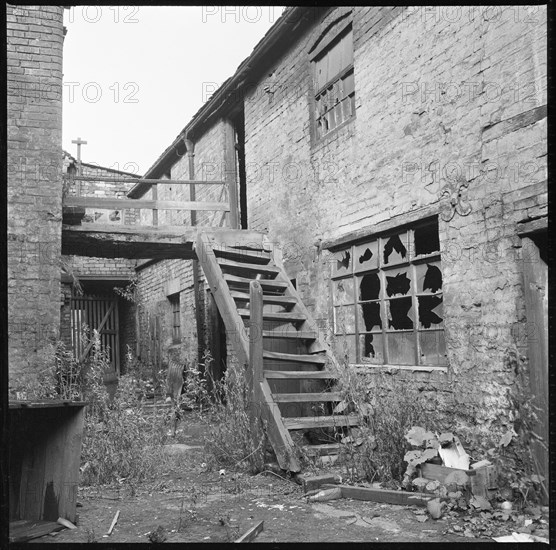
pixel 232 438
pixel 387 408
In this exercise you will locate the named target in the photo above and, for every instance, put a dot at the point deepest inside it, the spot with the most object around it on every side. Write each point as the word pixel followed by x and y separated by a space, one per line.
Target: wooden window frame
pixel 325 114
pixel 411 263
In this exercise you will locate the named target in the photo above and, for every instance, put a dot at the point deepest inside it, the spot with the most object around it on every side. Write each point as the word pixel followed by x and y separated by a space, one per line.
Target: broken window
pixel 334 83
pixel 391 306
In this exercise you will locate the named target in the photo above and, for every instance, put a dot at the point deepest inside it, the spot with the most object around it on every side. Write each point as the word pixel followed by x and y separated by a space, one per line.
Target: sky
pixel 135 75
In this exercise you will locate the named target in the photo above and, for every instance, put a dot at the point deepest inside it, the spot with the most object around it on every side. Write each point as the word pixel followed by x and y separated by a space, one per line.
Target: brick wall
pixel 445 103
pixel 34 84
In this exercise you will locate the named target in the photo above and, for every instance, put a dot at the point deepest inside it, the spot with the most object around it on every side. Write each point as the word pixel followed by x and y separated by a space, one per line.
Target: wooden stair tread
pixel 306 397
pixel 294 357
pixel 298 374
pixel 267 298
pixel 231 265
pixel 252 256
pixel 267 284
pixel 301 334
pixel 301 422
pixel 322 450
pixel 287 316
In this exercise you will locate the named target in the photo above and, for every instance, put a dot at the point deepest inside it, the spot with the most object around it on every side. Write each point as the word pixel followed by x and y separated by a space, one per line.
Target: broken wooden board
pixel 386 496
pixel 24 530
pixel 310 483
pixel 250 534
pixel 482 480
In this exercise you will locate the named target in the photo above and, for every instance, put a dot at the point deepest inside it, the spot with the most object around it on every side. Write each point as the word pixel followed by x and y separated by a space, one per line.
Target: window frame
pixel 410 264
pixel 333 36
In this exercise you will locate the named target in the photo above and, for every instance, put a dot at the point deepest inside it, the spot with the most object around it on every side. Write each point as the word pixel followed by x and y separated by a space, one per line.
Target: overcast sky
pixel 135 75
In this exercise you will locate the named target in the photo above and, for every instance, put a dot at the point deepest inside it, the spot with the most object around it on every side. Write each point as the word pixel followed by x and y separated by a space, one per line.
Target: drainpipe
pixel 197 287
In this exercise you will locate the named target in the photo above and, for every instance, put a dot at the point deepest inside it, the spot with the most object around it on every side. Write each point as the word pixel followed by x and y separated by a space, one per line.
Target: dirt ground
pixel 191 504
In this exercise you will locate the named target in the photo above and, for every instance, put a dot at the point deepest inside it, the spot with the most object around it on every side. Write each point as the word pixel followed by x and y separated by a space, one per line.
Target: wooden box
pixel 482 480
pixel 44 456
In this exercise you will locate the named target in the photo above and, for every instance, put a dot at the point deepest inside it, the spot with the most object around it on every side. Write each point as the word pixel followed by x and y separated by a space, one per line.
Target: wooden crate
pixel 482 480
pixel 44 456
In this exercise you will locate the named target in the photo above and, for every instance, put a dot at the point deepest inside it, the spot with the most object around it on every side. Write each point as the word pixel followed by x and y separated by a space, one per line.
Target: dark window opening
pixel 370 287
pixel 239 127
pixel 394 244
pixel 174 300
pixel 399 314
pixel 433 279
pixel 426 240
pixel 344 262
pixel 371 315
pixel 427 316
pixel 399 284
pixel 366 256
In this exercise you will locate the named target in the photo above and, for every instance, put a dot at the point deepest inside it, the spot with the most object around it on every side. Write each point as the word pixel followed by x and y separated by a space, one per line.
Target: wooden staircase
pixel 287 365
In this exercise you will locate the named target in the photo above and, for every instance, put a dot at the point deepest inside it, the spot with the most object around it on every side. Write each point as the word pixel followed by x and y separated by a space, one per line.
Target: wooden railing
pixel 138 204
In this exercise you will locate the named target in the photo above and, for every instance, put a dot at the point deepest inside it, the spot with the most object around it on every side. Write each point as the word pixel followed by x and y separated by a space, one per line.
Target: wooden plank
pixel 281 374
pixel 141 180
pixel 238 255
pixel 278 435
pixel 310 482
pixel 306 397
pixel 250 534
pixel 403 498
pixel 255 371
pixel 299 423
pixel 295 358
pixel 267 298
pixel 290 334
pixel 440 473
pixel 535 292
pixel 22 531
pixel 99 327
pixel 532 226
pixel 322 450
pixel 231 265
pixel 287 317
pixel 265 283
pixel 154 194
pixel 119 204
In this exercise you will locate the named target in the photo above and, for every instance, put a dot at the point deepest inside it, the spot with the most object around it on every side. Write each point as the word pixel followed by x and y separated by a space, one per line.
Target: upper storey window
pixel 334 83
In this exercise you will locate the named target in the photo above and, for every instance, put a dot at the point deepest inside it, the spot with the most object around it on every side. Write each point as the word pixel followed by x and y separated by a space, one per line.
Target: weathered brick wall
pixel 34 83
pixel 446 102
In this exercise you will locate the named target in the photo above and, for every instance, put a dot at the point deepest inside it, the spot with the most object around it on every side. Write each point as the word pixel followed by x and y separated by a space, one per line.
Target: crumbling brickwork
pixel 450 106
pixel 35 38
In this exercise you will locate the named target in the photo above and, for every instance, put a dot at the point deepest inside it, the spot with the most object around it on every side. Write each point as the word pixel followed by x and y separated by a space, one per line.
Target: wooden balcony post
pixel 255 371
pixel 155 198
pixel 230 172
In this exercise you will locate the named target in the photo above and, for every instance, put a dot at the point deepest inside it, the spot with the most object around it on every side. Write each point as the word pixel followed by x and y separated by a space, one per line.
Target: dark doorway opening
pixel 238 122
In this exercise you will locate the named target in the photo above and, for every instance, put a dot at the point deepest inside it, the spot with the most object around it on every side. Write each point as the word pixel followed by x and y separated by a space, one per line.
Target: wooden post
pixel 255 372
pixel 230 172
pixel 155 198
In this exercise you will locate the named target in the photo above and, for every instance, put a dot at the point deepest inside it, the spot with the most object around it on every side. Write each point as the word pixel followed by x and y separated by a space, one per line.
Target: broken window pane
pixel 399 313
pixel 401 348
pixel 429 277
pixel 371 348
pixel 344 348
pixel 341 262
pixel 433 348
pixel 430 311
pixel 369 316
pixel 398 282
pixel 369 287
pixel 344 320
pixel 365 256
pixel 426 239
pixel 394 249
pixel 342 291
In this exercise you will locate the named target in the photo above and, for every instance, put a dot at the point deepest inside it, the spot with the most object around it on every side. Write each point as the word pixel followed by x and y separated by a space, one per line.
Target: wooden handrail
pixel 141 180
pixel 120 204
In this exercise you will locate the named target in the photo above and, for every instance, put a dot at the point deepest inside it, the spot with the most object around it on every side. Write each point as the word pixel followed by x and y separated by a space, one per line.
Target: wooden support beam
pixel 120 204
